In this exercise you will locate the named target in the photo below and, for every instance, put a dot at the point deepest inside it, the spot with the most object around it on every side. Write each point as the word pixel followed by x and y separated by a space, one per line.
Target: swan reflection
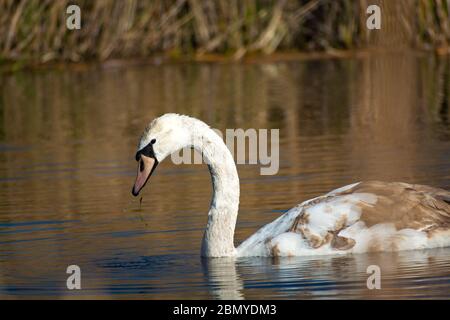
pixel 337 277
pixel 223 279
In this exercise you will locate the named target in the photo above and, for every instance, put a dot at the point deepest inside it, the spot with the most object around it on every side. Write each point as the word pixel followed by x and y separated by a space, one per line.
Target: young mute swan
pixel 361 217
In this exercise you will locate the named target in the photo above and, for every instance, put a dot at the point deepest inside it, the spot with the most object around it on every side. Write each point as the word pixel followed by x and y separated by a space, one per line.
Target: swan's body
pixel 362 217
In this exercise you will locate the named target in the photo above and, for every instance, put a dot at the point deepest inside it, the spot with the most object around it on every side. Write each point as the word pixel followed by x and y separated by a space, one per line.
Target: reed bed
pixel 35 30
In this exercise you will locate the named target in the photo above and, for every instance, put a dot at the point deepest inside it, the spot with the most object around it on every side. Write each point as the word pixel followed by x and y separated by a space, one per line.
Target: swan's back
pixel 363 217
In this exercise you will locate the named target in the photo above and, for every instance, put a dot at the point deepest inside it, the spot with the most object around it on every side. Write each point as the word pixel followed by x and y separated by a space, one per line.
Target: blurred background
pixel 351 104
pixel 179 29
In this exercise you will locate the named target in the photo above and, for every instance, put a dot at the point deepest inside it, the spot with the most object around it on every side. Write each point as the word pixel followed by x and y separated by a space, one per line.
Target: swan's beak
pixel 145 169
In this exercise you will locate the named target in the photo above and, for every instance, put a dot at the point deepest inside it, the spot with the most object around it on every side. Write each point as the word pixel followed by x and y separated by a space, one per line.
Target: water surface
pixel 68 138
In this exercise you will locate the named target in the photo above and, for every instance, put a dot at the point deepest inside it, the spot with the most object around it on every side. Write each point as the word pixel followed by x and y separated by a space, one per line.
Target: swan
pixel 361 217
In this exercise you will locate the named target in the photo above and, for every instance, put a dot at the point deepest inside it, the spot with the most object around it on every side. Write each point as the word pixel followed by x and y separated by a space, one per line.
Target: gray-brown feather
pixel 404 205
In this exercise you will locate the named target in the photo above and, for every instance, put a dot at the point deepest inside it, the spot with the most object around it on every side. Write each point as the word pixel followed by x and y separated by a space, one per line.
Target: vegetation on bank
pixel 35 30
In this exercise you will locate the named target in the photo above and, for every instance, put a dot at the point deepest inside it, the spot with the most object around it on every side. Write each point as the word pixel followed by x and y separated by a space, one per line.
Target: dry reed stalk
pixel 35 30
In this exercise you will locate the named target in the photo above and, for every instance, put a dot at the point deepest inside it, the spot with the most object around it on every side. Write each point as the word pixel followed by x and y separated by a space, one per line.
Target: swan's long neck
pixel 218 239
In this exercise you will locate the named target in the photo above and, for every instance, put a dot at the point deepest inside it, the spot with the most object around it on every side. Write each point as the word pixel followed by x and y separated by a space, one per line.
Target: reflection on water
pixel 416 274
pixel 68 137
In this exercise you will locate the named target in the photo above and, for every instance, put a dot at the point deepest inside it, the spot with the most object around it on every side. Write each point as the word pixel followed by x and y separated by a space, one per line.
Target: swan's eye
pixel 146 151
pixel 141 165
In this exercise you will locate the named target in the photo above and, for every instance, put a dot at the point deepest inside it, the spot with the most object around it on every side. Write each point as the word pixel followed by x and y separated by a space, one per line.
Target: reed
pixel 35 30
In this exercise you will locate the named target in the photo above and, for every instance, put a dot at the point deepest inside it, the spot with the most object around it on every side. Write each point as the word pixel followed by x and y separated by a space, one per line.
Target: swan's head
pixel 163 136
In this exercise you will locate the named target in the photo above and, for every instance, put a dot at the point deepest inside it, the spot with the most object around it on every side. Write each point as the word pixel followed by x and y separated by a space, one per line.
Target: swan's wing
pixel 360 217
pixel 307 227
pixel 405 205
pixel 258 244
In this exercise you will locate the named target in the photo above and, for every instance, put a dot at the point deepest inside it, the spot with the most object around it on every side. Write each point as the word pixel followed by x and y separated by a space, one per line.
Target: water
pixel 68 138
